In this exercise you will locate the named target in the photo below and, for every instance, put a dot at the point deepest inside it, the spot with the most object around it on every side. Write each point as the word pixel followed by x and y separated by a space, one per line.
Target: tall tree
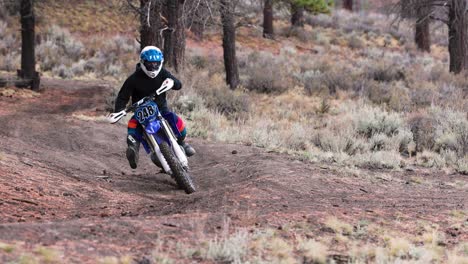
pixel 348 5
pixel 422 35
pixel 455 14
pixel 227 9
pixel 174 37
pixel 313 6
pixel 268 30
pixel 458 36
pixel 28 59
pixel 162 25
pixel 150 23
pixel 297 14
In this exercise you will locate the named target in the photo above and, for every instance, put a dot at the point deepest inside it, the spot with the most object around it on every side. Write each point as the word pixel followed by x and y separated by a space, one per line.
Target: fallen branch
pixel 25 201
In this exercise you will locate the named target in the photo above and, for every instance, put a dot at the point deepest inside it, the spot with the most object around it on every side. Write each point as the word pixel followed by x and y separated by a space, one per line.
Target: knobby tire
pixel 181 176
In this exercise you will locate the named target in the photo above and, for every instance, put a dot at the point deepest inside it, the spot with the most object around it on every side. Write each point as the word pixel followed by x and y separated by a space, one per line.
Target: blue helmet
pixel 151 61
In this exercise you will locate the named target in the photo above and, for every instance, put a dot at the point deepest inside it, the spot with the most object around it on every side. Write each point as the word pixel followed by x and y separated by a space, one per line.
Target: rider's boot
pixel 189 150
pixel 132 151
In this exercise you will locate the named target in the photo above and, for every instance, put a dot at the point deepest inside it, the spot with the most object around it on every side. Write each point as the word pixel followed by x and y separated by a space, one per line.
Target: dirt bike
pixel 159 139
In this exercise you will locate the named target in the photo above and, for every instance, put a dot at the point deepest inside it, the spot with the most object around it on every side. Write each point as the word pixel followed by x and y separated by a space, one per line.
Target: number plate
pixel 146 112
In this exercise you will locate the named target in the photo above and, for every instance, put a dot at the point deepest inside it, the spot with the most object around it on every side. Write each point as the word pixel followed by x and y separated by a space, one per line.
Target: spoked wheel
pixel 179 173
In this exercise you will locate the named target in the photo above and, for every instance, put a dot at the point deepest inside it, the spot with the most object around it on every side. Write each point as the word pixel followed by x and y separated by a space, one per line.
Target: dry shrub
pixel 9 8
pixel 230 249
pixel 227 102
pixel 423 94
pixel 335 143
pixel 199 62
pixel 430 159
pixel 8 39
pixel 187 103
pixel 267 73
pixel 57 50
pixel 218 97
pixel 451 132
pixel 355 42
pixel 48 55
pixel 63 71
pixel 452 96
pixel 423 128
pixel 441 130
pixel 365 136
pixel 395 94
pixel 383 72
pixel 379 160
pixel 328 82
pixel 462 166
pixel 10 62
pixel 370 121
pixel 440 73
pixel 300 33
pixel 321 20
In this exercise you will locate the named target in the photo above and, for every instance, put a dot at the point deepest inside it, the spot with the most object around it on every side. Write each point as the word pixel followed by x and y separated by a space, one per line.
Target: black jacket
pixel 139 85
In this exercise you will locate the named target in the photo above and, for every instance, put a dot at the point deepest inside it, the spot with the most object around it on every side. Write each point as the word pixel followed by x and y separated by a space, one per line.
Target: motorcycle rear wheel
pixel 179 173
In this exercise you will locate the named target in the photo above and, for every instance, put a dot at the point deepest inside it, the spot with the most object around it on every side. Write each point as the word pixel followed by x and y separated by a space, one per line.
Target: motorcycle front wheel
pixel 179 173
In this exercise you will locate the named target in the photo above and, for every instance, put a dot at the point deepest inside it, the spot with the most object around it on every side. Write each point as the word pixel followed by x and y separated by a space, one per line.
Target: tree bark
pixel 174 37
pixel 150 23
pixel 422 35
pixel 28 58
pixel 458 36
pixel 297 15
pixel 268 30
pixel 229 43
pixel 348 5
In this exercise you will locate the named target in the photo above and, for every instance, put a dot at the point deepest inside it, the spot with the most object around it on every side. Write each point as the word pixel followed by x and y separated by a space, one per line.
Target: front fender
pixel 155 129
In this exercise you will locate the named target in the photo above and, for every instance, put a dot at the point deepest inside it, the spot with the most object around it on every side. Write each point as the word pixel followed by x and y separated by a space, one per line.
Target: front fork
pixel 175 146
pixel 155 148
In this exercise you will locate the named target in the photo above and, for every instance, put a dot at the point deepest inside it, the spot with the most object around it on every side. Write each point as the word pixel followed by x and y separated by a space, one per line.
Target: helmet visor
pixel 152 65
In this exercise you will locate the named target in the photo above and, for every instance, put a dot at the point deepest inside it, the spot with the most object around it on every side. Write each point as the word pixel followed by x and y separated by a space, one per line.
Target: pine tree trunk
pixel 174 38
pixel 150 24
pixel 422 35
pixel 458 36
pixel 229 43
pixel 297 15
pixel 28 59
pixel 348 5
pixel 268 30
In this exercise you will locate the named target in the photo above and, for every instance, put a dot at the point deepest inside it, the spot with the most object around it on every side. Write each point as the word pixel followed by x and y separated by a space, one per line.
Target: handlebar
pixel 166 86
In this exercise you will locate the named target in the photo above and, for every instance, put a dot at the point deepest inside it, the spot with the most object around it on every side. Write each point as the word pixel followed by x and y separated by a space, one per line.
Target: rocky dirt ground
pixel 65 183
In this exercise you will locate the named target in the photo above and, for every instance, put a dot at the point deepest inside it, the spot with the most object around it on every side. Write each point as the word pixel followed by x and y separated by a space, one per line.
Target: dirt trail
pixel 65 182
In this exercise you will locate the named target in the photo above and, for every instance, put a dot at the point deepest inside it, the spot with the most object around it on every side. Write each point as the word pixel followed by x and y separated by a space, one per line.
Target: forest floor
pixel 65 184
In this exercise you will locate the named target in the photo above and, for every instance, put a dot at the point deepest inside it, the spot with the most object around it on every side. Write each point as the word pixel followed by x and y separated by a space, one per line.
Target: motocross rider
pixel 147 78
